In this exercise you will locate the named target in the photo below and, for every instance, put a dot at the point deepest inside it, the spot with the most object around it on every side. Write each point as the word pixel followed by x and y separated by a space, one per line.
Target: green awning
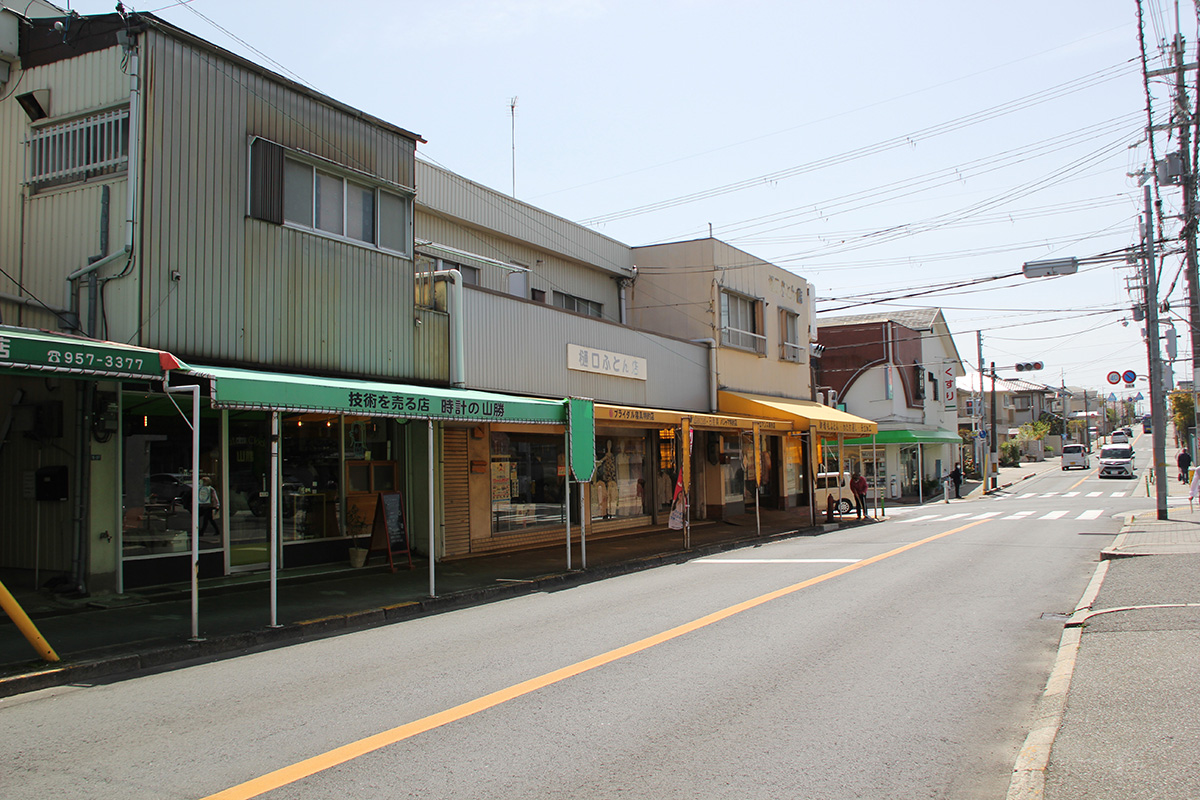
pixel 250 389
pixel 27 350
pixel 910 437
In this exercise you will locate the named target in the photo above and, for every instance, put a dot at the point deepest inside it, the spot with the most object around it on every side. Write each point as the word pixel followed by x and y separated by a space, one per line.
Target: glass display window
pixel 157 477
pixel 528 476
pixel 619 482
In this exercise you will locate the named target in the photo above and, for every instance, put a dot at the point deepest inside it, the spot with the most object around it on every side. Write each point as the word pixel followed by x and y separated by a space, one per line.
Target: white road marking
pixel 1050 494
pixel 1119 494
pixel 953 516
pixel 1094 494
pixel 1019 515
pixel 987 515
pixel 1027 496
pixel 1054 515
pixel 1070 494
pixel 927 516
pixel 1091 513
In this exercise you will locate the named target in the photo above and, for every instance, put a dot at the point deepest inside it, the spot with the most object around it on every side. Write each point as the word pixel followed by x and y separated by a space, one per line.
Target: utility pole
pixel 995 456
pixel 980 444
pixel 1156 388
pixel 1184 117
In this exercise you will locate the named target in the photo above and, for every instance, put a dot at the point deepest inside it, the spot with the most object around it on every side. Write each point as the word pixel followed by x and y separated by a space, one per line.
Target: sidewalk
pixel 1118 715
pixel 149 629
pixel 103 637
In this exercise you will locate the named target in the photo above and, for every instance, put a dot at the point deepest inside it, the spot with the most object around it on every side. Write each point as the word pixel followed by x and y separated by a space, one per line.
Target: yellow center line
pixel 348 752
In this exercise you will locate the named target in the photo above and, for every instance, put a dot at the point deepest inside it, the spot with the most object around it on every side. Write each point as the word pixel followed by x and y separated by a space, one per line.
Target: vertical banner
pixel 678 517
pixel 949 396
pixel 758 479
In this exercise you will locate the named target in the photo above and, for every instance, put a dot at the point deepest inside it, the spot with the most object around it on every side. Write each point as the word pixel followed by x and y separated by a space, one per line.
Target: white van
pixel 1120 437
pixel 1075 456
pixel 827 486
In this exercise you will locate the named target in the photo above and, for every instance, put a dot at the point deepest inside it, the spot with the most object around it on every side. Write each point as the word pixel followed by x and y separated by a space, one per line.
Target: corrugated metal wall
pixel 547 271
pixel 521 347
pixel 44 237
pixel 452 196
pixel 251 291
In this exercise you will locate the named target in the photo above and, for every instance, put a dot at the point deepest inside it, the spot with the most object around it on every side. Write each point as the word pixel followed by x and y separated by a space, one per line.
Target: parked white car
pixel 1116 461
pixel 1074 455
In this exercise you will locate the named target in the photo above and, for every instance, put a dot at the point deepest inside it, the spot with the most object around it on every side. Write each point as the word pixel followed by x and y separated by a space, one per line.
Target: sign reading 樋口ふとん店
pixel 605 362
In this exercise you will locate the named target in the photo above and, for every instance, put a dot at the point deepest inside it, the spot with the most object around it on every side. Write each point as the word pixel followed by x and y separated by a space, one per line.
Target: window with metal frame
pixel 572 303
pixel 311 194
pixel 790 348
pixel 740 326
pixel 78 149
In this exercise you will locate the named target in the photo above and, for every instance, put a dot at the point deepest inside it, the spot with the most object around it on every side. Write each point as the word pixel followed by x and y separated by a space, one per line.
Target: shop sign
pixel 949 399
pixel 396 403
pixel 66 355
pixel 605 362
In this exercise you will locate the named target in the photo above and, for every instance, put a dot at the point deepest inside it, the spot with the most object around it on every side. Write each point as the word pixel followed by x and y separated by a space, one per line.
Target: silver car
pixel 1116 461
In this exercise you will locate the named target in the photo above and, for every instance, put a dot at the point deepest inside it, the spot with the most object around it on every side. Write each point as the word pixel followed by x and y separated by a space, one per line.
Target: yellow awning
pixel 663 417
pixel 806 415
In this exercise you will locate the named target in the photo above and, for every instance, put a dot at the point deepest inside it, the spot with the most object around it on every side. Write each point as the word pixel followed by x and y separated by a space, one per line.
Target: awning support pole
pixel 274 537
pixel 432 585
pixel 194 391
pixel 875 462
pixel 567 488
pixel 582 523
pixel 920 473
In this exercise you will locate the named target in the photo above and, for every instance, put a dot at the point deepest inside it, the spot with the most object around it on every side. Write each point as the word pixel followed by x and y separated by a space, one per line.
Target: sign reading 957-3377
pixel 61 354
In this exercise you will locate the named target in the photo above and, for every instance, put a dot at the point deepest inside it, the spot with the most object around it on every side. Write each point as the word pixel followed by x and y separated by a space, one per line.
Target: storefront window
pixel 667 473
pixel 793 449
pixel 311 472
pixel 733 474
pixel 619 484
pixel 528 472
pixel 157 478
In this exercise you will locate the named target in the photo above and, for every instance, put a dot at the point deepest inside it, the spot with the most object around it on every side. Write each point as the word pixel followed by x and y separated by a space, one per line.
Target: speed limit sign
pixel 1114 377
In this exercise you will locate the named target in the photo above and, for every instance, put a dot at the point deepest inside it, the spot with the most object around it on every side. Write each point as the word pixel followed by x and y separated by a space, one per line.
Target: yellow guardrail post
pixel 17 614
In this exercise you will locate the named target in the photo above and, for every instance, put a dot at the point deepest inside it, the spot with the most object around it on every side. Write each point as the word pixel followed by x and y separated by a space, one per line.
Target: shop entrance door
pixel 249 492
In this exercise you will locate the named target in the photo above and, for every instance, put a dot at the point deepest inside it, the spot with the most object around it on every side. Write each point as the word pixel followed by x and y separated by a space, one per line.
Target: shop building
pixel 358 324
pixel 900 369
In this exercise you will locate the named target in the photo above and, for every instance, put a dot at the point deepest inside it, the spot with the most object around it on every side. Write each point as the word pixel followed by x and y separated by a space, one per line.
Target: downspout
pixel 457 329
pixel 133 180
pixel 712 372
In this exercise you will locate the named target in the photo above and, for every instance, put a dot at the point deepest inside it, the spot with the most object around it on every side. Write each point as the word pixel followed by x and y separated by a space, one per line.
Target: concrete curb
pixel 161 658
pixel 1029 771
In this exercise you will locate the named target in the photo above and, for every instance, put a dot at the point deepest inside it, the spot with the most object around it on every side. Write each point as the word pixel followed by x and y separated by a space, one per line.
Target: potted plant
pixel 356 524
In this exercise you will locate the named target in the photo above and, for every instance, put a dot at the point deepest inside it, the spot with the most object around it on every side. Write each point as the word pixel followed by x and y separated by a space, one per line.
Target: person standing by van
pixel 858 486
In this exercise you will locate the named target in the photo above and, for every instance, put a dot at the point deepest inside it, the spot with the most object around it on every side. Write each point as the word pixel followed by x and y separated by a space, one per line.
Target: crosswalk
pixel 906 515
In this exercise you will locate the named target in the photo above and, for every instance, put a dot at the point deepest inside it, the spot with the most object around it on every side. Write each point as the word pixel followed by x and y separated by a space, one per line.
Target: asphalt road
pixel 900 659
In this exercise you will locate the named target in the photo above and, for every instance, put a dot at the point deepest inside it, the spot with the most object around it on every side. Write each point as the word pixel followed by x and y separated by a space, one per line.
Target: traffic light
pixel 1029 366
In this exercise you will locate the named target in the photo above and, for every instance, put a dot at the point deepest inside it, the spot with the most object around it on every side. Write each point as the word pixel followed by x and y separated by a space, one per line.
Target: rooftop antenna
pixel 512 111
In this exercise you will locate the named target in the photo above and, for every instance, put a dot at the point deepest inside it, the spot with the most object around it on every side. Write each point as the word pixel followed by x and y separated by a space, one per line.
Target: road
pixel 900 659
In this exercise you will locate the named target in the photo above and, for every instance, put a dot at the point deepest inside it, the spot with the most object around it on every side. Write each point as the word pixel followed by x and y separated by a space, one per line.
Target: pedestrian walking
pixel 1194 491
pixel 956 477
pixel 1184 460
pixel 858 487
pixel 210 504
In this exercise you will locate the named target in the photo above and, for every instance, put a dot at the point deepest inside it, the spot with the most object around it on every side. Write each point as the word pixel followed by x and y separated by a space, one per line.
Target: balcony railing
pixel 791 352
pixel 744 340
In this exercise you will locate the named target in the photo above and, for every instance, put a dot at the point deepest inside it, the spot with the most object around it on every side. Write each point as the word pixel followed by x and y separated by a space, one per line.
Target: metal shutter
pixel 456 477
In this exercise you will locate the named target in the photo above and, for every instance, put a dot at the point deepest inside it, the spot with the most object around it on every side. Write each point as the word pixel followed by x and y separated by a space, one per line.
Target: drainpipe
pixel 133 181
pixel 712 372
pixel 457 327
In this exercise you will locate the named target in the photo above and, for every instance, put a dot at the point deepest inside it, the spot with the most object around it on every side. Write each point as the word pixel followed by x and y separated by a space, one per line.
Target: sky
pixel 876 148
